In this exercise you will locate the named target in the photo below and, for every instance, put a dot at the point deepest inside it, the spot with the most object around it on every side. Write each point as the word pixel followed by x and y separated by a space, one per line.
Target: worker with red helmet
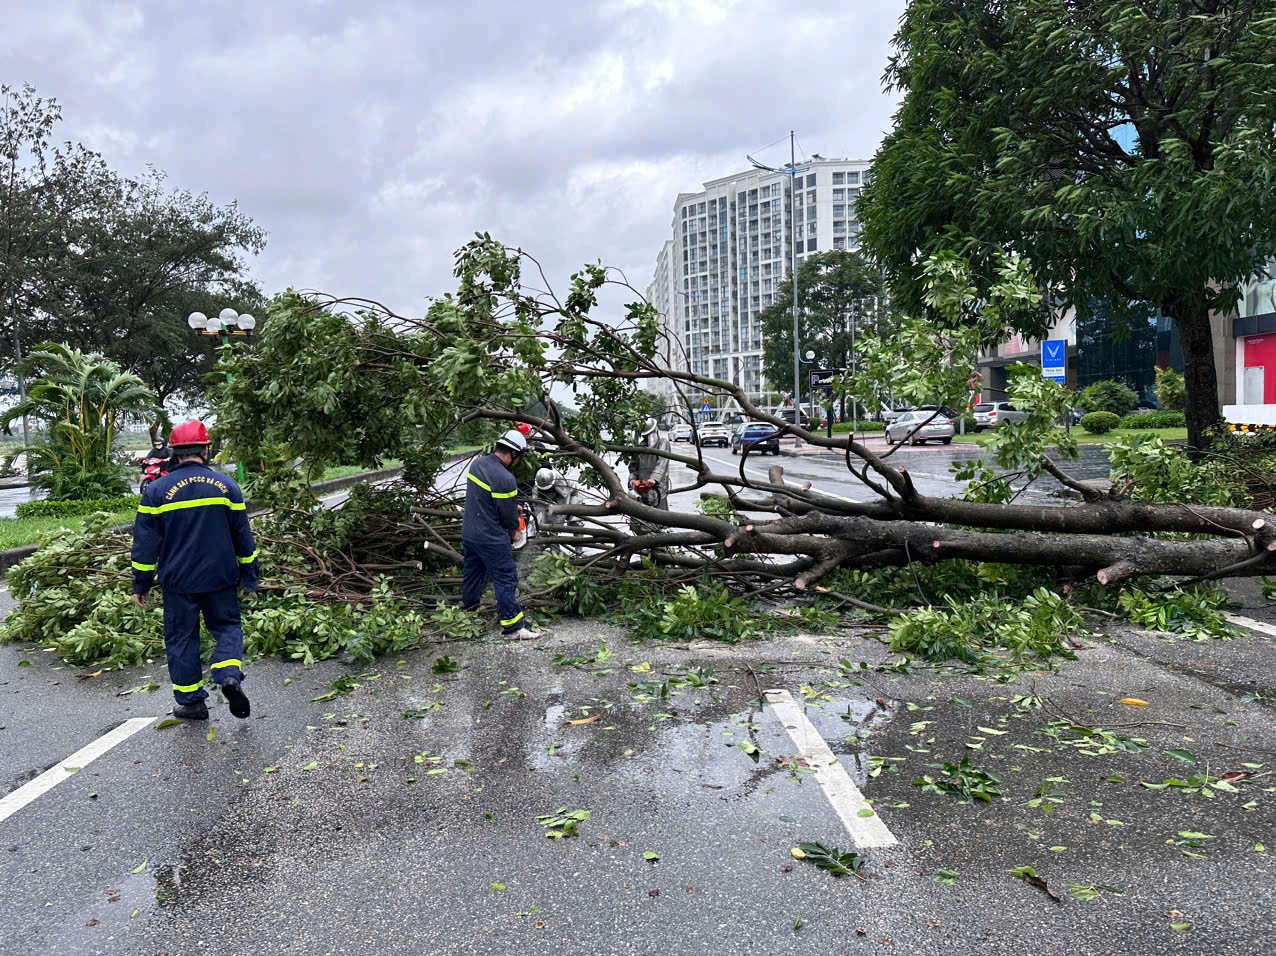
pixel 192 531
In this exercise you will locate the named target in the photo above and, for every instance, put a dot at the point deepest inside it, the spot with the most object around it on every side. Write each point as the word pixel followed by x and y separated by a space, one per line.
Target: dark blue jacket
pixel 491 511
pixel 192 528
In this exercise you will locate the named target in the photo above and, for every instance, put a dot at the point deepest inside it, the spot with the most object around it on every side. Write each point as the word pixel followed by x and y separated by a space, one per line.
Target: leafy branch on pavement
pixel 962 780
pixel 562 823
pixel 836 861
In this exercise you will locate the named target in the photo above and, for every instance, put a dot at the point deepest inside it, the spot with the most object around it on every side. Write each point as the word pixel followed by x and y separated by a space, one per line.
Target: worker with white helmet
pixel 650 480
pixel 490 526
pixel 551 489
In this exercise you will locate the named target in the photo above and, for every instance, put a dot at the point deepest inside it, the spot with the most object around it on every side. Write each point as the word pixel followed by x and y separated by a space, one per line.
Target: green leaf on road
pixel 165 724
pixel 947 877
pixel 212 735
pixel 499 887
pixel 446 665
pixel 139 868
pixel 866 812
pixel 1180 927
pixel 313 765
pixel 1058 849
pixel 651 857
pixel 24 663
pixel 71 769
pixel 1182 756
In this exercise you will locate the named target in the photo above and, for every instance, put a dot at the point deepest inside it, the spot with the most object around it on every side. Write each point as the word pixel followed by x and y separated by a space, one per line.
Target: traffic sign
pixel 706 407
pixel 823 377
pixel 1054 360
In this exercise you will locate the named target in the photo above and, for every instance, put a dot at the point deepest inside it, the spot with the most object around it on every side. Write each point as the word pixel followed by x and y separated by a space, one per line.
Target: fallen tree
pixel 341 379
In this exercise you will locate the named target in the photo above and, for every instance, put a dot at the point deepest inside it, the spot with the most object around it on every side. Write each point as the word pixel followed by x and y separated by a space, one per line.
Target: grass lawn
pixel 1085 438
pixel 15 532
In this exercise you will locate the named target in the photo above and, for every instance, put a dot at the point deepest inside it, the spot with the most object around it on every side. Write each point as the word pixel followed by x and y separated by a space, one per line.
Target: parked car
pixel 888 415
pixel 992 414
pixel 917 427
pixel 713 433
pixel 761 436
pixel 680 432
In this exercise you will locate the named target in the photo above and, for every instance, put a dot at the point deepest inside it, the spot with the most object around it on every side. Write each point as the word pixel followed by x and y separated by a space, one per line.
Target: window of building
pixel 810 245
pixel 852 178
pixel 839 211
pixel 810 198
pixel 798 201
pixel 839 195
pixel 810 213
pixel 839 242
pixel 810 180
pixel 838 179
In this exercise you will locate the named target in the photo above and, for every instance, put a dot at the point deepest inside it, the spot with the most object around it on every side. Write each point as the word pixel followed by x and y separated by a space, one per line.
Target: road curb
pixel 12 556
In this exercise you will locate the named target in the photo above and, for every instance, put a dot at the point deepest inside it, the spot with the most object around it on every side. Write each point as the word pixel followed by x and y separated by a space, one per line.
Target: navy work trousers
pixel 181 639
pixel 495 561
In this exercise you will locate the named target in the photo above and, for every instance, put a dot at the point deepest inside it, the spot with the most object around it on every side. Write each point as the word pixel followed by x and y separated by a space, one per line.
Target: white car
pixel 680 432
pixel 713 433
pixel 917 427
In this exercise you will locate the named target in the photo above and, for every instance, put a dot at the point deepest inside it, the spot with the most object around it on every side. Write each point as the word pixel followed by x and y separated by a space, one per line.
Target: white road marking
pixel 11 804
pixel 866 831
pixel 735 467
pixel 1252 624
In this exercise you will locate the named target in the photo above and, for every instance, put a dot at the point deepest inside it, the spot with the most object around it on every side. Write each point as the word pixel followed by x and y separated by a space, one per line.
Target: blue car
pixel 760 436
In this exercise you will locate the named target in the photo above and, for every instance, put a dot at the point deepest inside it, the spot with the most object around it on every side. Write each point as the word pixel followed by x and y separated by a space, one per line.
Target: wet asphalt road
pixel 312 827
pixel 349 845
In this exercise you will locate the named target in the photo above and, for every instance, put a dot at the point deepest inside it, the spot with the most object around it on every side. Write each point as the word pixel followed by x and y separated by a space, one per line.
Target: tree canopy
pixel 1125 148
pixel 840 294
pixel 110 264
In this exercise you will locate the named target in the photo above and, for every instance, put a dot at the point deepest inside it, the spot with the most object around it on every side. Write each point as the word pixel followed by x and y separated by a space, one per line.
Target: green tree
pixel 108 264
pixel 1170 395
pixel 81 401
pixel 1125 148
pixel 841 296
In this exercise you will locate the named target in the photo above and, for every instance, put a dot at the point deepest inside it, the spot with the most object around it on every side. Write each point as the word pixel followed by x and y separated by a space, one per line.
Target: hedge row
pixel 1155 420
pixel 68 509
pixel 844 428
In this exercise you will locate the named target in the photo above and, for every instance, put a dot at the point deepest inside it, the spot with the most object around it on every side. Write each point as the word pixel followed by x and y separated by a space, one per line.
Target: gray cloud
pixel 371 139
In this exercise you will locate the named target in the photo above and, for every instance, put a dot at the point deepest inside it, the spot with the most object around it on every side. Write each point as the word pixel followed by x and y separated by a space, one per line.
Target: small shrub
pixel 844 428
pixel 1155 420
pixel 69 509
pixel 1108 396
pixel 1171 390
pixel 1100 423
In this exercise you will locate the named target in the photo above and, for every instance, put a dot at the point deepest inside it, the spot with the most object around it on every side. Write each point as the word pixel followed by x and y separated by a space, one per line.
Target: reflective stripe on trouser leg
pixel 181 643
pixel 221 614
pixel 500 565
pixel 474 578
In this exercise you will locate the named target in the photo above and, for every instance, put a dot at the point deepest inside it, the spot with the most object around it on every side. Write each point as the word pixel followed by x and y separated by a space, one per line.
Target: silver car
pixel 992 414
pixel 681 432
pixel 918 427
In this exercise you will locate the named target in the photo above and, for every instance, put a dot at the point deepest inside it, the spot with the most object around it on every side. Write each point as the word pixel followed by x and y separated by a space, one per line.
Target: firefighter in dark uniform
pixel 488 532
pixel 192 531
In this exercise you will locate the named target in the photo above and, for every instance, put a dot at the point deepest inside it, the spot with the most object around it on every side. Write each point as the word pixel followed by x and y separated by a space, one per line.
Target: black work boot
pixel 195 711
pixel 236 697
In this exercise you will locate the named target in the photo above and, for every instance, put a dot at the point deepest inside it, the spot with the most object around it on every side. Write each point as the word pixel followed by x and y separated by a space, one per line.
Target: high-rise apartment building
pixel 733 244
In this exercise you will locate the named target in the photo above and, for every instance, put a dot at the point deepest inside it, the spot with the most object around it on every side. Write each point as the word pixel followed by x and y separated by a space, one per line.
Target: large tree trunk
pixel 1199 373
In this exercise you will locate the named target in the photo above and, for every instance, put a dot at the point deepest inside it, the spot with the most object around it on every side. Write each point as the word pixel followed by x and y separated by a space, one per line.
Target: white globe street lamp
pixel 198 321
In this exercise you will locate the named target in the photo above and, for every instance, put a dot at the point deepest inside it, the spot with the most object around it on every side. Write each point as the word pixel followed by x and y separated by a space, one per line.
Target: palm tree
pixel 82 400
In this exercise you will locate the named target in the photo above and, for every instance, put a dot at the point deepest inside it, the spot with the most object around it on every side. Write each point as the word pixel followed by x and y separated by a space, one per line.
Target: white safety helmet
pixel 545 478
pixel 513 440
pixel 649 427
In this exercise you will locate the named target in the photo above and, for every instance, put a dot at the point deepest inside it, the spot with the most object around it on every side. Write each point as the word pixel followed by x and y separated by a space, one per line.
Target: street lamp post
pixel 792 172
pixel 226 323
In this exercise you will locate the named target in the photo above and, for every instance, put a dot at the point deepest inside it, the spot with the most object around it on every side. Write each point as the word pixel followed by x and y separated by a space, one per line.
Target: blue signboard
pixel 1054 360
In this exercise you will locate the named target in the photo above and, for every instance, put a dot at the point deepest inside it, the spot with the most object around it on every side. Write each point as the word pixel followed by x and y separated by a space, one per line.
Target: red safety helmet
pixel 525 428
pixel 189 433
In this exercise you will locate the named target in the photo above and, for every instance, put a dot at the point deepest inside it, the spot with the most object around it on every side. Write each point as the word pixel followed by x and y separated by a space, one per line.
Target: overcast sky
pixel 373 138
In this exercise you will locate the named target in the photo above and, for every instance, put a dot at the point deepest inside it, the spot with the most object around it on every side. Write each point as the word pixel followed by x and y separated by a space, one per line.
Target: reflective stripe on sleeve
pixel 514 620
pixel 187 688
pixel 230 663
pixel 250 559
pixel 144 567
